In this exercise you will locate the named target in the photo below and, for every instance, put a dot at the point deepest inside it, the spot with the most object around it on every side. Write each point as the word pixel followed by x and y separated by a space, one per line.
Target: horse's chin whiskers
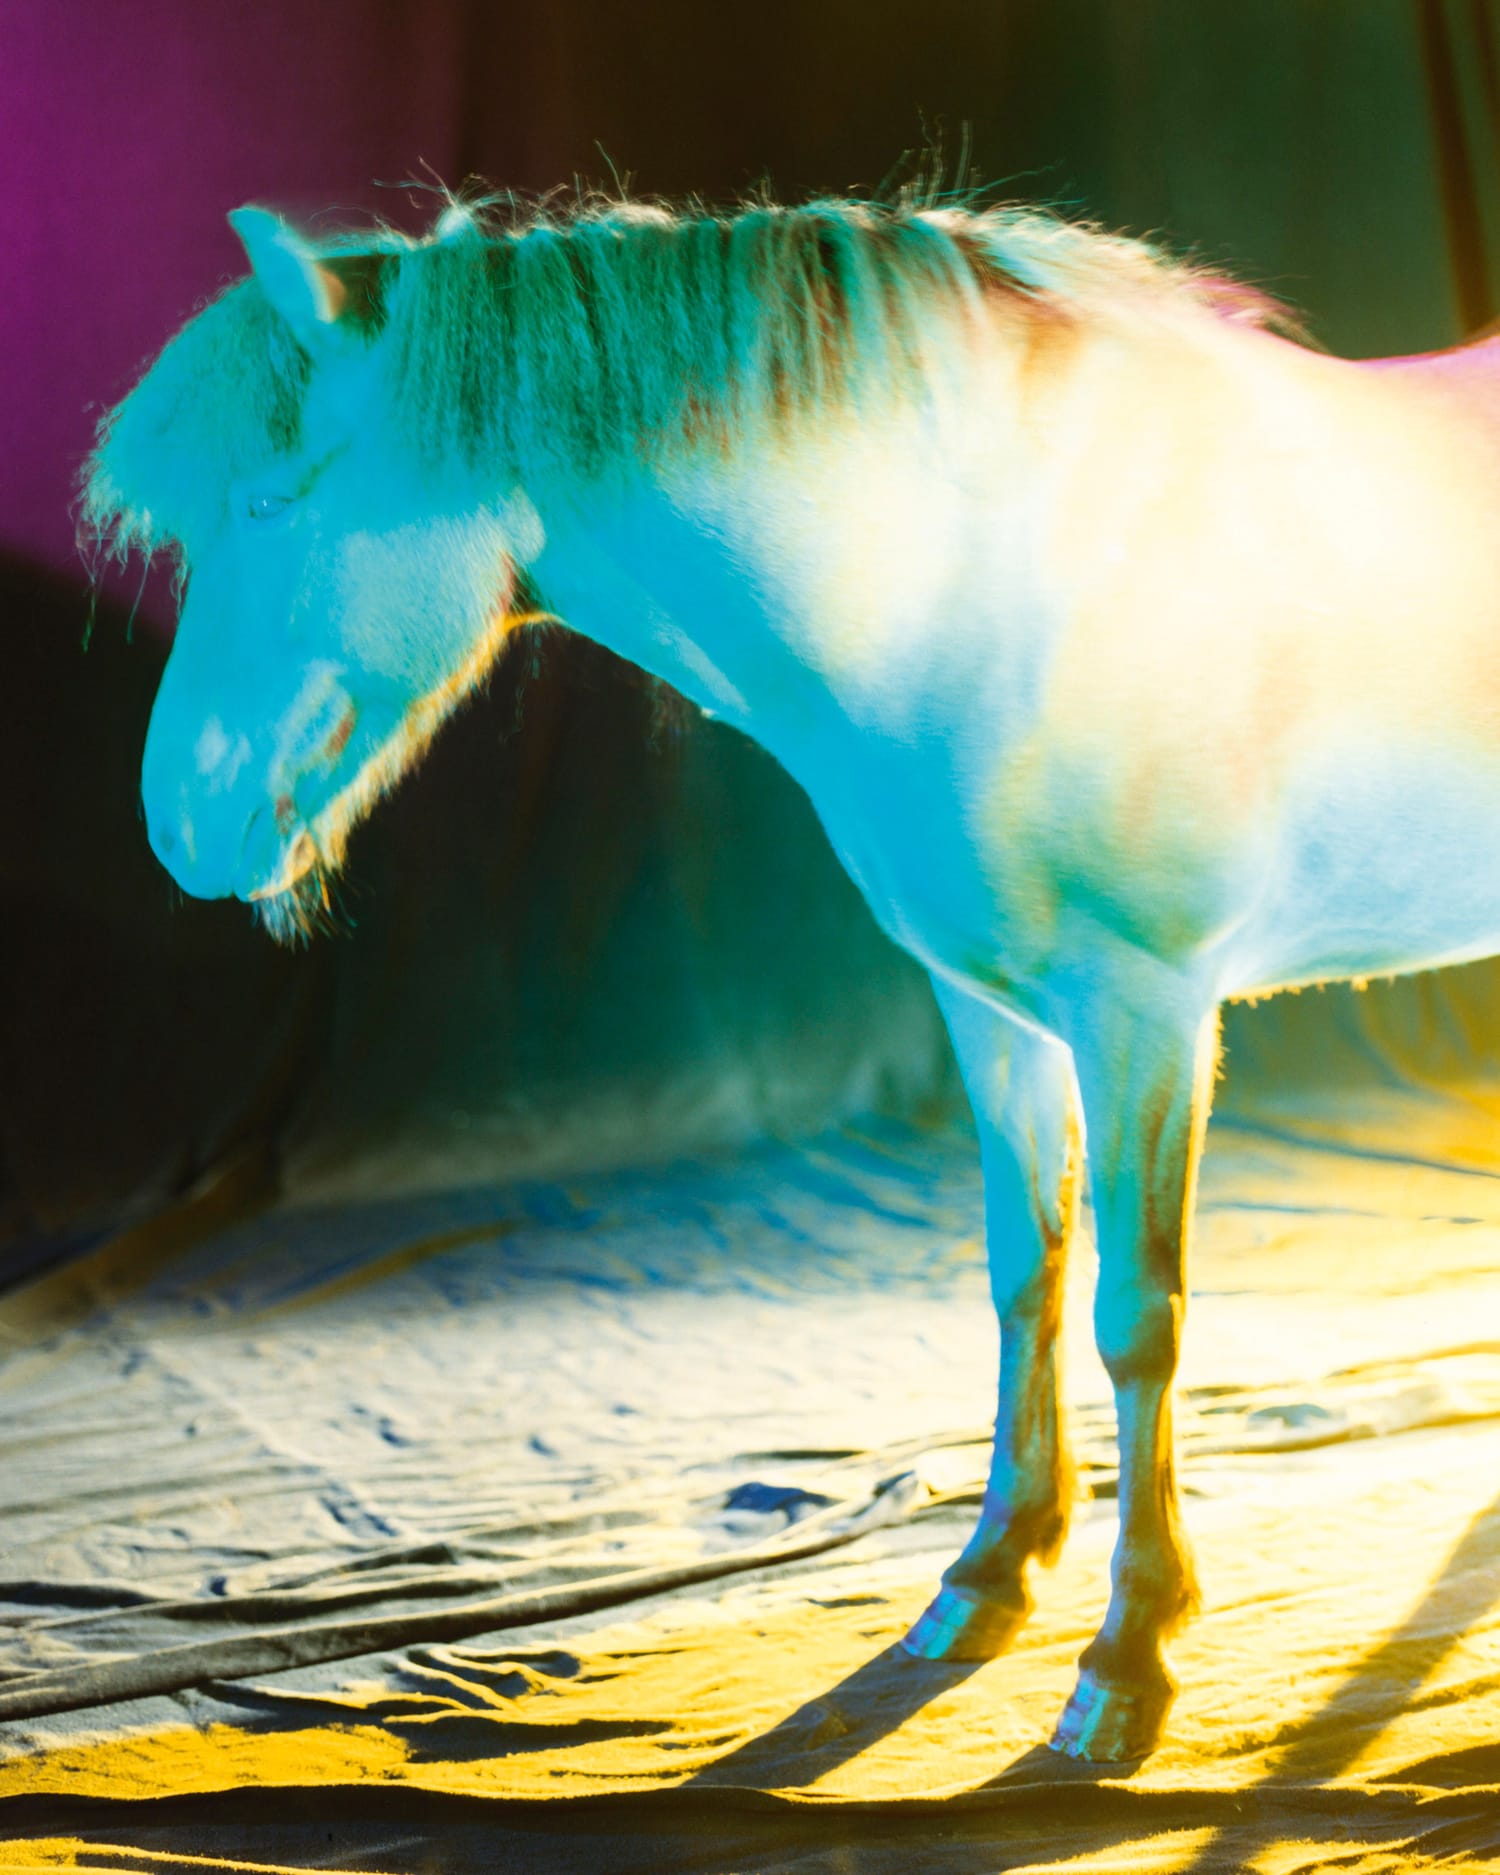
pixel 302 857
pixel 306 909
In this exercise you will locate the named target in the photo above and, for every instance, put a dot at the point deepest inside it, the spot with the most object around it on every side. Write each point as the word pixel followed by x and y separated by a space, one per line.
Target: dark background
pixel 593 928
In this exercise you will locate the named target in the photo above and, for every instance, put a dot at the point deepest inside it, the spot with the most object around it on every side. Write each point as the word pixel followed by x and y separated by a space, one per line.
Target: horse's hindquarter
pixel 1271 741
pixel 1388 855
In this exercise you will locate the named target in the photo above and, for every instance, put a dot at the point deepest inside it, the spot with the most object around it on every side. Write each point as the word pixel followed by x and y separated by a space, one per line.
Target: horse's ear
pixel 308 295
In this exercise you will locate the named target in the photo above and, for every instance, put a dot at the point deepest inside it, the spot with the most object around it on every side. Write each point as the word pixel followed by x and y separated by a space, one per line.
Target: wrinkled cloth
pixel 575 1526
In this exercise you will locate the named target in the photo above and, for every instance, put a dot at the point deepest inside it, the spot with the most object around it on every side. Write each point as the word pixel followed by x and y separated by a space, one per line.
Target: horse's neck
pixel 792 589
pixel 660 585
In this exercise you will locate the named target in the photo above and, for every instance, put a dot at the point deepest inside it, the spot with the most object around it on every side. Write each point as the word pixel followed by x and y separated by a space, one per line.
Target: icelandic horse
pixel 1135 655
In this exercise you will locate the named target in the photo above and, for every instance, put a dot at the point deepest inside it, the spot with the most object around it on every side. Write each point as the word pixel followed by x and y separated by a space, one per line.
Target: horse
pixel 1136 654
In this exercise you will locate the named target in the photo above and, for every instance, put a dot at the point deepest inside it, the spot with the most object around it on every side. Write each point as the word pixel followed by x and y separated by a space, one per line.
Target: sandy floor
pixel 571 1527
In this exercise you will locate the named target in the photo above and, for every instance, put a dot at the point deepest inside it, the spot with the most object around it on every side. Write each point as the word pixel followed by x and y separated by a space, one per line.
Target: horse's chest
pixel 919 870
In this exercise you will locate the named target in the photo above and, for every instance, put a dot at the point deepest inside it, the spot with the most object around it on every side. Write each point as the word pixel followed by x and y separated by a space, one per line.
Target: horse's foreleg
pixel 1021 1088
pixel 1146 1075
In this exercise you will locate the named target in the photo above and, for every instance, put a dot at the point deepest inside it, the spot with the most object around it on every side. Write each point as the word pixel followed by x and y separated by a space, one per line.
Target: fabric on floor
pixel 724 1424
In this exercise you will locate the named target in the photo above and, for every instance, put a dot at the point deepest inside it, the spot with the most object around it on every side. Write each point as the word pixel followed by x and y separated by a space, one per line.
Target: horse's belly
pixel 1384 865
pixel 1377 861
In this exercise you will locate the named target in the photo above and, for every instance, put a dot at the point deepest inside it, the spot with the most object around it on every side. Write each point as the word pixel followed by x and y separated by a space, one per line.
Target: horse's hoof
pixel 964 1624
pixel 1110 1724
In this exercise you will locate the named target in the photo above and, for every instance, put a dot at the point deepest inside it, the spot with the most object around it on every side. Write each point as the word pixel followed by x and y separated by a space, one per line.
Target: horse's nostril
pixel 164 840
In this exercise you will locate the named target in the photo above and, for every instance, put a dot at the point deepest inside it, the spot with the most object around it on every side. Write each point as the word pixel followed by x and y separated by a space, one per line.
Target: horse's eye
pixel 267 507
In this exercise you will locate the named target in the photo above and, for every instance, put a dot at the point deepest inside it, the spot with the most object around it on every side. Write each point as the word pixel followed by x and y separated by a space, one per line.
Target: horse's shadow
pixel 838 1724
pixel 835 1726
pixel 1328 1741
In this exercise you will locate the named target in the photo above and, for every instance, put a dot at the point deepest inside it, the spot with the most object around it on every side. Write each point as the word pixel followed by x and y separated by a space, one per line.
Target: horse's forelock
pixel 222 396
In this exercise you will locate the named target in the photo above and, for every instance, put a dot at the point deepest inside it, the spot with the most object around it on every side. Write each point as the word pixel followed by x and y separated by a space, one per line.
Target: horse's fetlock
pixel 1040 1527
pixel 1051 1533
pixel 1133 1658
pixel 1012 1532
pixel 1189 1600
pixel 1157 1601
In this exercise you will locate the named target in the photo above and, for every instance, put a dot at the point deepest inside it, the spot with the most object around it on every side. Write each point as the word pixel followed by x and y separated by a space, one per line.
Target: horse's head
pixel 341 599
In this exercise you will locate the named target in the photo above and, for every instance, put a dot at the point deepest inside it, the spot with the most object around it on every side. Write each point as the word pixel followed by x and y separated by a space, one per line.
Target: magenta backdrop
pixel 129 130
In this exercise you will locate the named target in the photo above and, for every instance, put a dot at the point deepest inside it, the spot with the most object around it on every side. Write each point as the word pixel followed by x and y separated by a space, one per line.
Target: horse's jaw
pixel 287 885
pixel 289 890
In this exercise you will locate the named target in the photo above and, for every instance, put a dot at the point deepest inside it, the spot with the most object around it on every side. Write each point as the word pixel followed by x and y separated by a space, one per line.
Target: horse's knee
pixel 1138 1336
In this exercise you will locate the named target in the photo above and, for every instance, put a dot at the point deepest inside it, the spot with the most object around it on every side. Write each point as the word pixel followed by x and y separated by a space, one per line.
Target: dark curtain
pixel 590 928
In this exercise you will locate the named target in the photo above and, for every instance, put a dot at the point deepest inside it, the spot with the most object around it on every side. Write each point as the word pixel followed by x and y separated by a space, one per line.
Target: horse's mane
pixel 567 339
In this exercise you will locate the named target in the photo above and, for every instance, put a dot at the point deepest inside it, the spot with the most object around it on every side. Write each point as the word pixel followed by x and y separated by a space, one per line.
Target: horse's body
pixel 1134 657
pixel 1210 729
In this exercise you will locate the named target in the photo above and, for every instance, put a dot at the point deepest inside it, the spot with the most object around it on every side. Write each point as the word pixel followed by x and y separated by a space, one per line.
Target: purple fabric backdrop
pixel 161 115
